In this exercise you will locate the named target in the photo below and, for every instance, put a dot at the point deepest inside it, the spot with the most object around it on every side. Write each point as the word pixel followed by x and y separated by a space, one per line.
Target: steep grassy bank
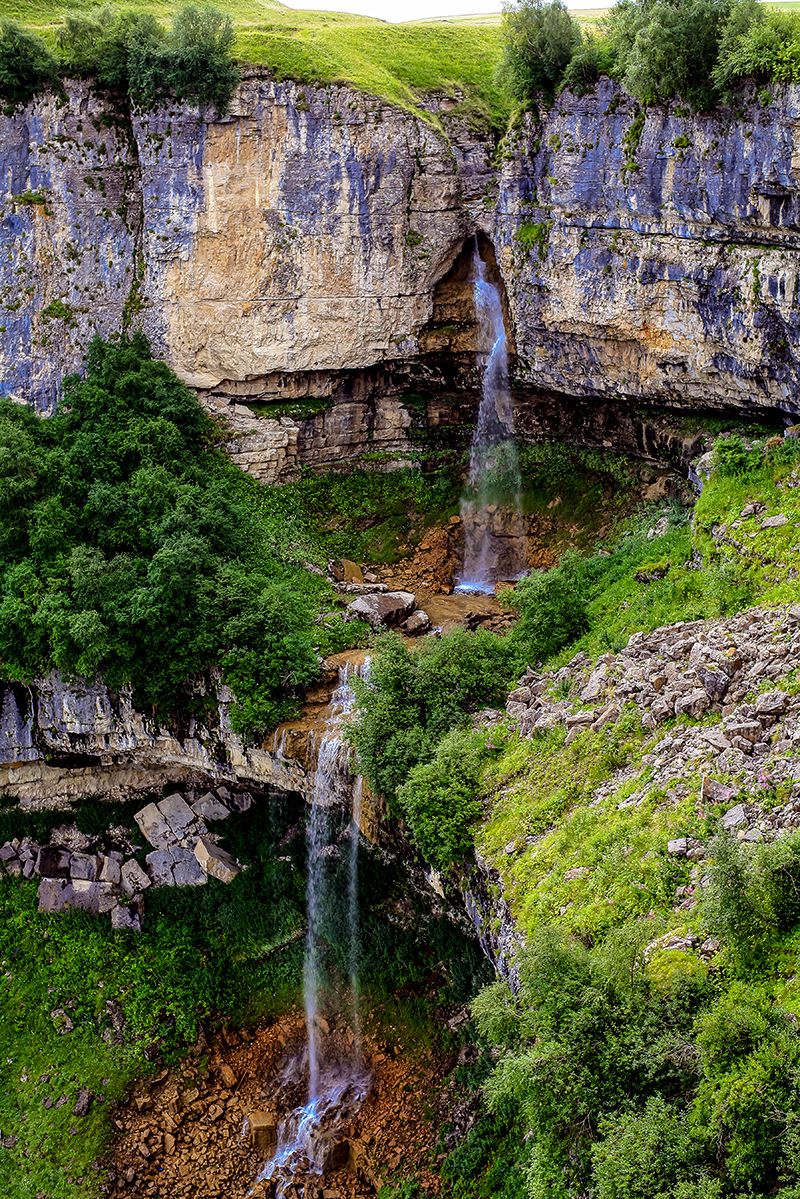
pixel 399 63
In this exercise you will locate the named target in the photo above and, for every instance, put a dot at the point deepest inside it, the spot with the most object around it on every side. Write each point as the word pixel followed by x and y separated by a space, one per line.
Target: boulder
pixel 159 867
pixel 177 814
pixel 693 704
pixel 241 802
pixel 216 861
pixel 351 572
pixel 83 1102
pixel 772 704
pixel 679 848
pixel 716 792
pixel 263 1133
pixel 418 622
pixel 155 827
pixel 389 609
pixel 208 807
pixel 775 522
pixel 186 869
pixel 52 862
pixel 110 870
pixel 83 866
pixel 735 818
pixel 129 917
pixel 133 877
pixel 55 894
pixel 715 682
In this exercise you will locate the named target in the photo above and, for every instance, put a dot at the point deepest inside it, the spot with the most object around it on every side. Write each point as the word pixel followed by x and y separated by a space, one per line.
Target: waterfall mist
pixel 494 536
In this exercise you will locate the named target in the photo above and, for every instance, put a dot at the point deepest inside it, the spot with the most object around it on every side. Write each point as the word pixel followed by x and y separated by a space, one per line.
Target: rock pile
pixel 731 676
pixel 101 875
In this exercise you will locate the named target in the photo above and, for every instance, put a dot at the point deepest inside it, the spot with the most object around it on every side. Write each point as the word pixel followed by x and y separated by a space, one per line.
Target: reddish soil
pixel 183 1135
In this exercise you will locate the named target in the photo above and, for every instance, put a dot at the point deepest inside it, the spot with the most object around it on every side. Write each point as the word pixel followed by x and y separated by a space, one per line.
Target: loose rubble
pixel 730 675
pixel 78 871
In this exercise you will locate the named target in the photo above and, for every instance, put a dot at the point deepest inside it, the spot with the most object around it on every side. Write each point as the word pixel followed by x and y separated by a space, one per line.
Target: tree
pixel 539 40
pixel 26 64
pixel 667 48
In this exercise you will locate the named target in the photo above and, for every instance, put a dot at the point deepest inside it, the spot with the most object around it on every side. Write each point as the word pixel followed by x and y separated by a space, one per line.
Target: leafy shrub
pixel 131 52
pixel 667 48
pixel 539 39
pixel 594 57
pixel 551 608
pixel 645 1155
pixel 733 458
pixel 126 547
pixel 26 64
pixel 758 44
pixel 415 696
pixel 439 799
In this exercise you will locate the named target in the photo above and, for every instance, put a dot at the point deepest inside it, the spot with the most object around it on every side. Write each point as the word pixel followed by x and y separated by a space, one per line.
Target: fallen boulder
pixel 389 609
pixel 215 861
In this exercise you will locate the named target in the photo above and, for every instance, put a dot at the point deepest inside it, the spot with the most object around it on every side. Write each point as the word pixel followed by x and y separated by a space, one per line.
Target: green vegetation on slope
pixel 132 548
pixel 399 63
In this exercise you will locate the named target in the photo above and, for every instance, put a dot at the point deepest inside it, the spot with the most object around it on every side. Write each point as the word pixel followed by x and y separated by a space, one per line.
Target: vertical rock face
pixel 306 253
pixel 70 219
pixel 655 256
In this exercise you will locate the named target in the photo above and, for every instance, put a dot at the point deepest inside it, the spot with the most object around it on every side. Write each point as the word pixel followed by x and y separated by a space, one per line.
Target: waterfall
pixel 494 542
pixel 305 1134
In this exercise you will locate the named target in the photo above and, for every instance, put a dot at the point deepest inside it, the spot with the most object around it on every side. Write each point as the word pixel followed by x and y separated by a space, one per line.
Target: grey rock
pixel 772 703
pixel 734 818
pixel 241 802
pixel 208 807
pixel 55 894
pixel 52 862
pixel 7 852
pixel 133 877
pixel 693 704
pixel 110 871
pixel 155 827
pixel 679 848
pixel 418 622
pixel 389 610
pixel 177 814
pixel 62 1021
pixel 159 867
pixel 128 917
pixel 83 866
pixel 83 1102
pixel 715 682
pixel 186 869
pixel 775 522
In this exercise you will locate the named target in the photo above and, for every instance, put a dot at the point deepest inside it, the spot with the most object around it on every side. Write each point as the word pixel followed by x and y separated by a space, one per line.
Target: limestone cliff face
pixel 655 256
pixel 312 246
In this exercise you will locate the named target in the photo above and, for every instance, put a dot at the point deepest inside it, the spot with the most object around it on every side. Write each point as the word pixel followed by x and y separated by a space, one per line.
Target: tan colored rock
pixel 263 1132
pixel 215 861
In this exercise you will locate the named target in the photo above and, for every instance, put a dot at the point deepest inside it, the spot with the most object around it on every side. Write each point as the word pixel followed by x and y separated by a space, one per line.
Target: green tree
pixel 26 64
pixel 539 39
pixel 668 48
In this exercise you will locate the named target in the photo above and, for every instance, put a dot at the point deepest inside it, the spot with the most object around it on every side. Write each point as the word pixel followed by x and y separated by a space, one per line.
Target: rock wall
pixel 308 254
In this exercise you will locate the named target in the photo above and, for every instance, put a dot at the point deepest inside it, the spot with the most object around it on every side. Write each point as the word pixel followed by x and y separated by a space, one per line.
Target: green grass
pixel 399 63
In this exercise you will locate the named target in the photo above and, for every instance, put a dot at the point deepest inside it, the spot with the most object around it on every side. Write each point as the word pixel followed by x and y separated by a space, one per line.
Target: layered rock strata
pixel 306 258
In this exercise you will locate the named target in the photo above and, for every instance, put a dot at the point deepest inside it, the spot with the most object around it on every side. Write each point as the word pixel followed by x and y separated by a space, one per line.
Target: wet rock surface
pixel 208 1130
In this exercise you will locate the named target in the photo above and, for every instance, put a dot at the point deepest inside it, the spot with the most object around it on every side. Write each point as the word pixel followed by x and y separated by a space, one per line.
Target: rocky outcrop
pixel 62 741
pixel 304 262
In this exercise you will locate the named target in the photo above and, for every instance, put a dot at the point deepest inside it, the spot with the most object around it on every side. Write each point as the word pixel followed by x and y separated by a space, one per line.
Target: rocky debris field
pixel 187 1132
pixel 101 875
pixel 734 678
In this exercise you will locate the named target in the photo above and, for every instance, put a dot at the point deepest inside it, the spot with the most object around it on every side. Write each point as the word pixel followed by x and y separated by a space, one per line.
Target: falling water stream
pixel 494 541
pixel 334 1090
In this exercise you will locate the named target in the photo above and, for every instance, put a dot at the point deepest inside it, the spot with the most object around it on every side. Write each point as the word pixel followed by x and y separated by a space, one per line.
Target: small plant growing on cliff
pixel 534 237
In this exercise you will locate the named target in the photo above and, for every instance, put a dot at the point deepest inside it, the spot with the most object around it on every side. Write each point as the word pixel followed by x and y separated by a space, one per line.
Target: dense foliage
pixel 640 1073
pixel 699 51
pixel 130 547
pixel 128 52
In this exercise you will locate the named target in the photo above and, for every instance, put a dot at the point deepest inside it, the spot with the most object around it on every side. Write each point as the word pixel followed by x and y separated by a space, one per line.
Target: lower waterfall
pixel 335 1088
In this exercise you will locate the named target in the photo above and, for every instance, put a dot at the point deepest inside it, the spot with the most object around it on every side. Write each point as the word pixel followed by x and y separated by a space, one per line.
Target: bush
pixel 593 58
pixel 131 52
pixel 415 696
pixel 551 607
pixel 539 39
pixel 667 48
pixel 760 45
pixel 439 800
pixel 26 64
pixel 126 548
pixel 646 1155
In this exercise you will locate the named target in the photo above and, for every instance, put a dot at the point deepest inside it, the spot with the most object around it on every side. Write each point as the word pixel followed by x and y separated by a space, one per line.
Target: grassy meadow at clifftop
pixel 399 63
